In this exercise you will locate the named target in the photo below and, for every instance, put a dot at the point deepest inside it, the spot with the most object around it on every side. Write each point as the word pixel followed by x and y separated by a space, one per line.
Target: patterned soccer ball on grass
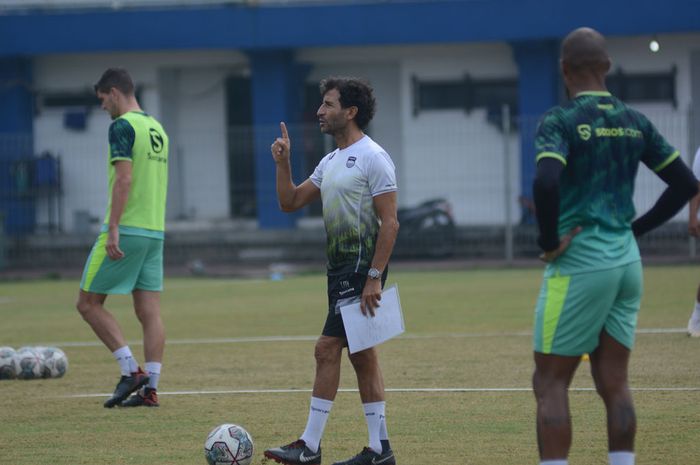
pixel 29 364
pixel 8 364
pixel 228 444
pixel 54 362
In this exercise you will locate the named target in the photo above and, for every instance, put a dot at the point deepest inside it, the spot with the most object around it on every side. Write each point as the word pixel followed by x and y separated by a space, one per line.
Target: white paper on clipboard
pixel 363 331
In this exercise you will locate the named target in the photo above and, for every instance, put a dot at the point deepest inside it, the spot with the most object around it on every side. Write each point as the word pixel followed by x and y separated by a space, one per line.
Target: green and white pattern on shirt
pixel 601 141
pixel 349 179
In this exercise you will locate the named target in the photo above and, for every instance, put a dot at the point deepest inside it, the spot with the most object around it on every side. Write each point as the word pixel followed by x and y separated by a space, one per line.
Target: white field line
pixel 238 340
pixel 404 390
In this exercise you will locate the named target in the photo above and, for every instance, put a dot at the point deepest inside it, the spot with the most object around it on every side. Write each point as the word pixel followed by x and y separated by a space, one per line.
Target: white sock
pixel 126 360
pixel 621 458
pixel 374 414
pixel 696 312
pixel 153 372
pixel 554 462
pixel 383 435
pixel 318 415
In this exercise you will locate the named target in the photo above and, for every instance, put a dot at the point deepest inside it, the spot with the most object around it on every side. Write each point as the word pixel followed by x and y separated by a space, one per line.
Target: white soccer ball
pixel 8 365
pixel 29 365
pixel 54 362
pixel 228 444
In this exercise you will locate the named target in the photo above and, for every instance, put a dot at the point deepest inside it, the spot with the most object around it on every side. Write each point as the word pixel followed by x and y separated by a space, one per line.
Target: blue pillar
pixel 538 91
pixel 16 145
pixel 277 85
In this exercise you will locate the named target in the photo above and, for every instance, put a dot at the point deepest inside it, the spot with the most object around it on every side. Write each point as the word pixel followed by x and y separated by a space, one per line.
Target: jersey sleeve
pixel 658 153
pixel 121 140
pixel 550 139
pixel 381 175
pixel 317 176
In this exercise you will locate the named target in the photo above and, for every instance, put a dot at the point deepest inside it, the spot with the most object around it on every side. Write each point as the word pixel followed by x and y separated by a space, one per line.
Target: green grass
pixel 465 329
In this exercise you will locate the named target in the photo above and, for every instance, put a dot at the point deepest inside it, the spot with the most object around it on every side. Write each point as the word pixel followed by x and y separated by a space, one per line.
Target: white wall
pixel 199 171
pixel 83 162
pixel 632 54
pixel 456 155
pixel 437 153
pixel 197 131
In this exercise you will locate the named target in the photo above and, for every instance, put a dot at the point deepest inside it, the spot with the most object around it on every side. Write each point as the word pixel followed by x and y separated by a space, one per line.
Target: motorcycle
pixel 426 230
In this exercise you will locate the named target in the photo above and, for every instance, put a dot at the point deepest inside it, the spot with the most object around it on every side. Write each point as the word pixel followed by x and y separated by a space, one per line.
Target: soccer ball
pixel 54 362
pixel 29 365
pixel 228 444
pixel 8 365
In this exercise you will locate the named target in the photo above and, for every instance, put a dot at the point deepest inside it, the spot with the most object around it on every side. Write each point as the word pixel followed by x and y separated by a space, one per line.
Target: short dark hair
pixel 354 92
pixel 584 49
pixel 118 78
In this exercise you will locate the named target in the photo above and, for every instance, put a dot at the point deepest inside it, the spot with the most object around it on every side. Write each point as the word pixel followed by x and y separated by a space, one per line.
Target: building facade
pixel 460 87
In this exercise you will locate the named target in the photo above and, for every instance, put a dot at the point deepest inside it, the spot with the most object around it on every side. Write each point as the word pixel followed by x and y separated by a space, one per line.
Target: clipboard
pixel 365 331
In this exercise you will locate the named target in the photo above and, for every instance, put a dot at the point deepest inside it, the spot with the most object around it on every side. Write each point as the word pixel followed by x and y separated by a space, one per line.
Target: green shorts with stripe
pixel 141 267
pixel 572 310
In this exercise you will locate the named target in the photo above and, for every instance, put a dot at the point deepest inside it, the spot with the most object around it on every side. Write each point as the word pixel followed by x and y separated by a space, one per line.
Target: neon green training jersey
pixel 140 139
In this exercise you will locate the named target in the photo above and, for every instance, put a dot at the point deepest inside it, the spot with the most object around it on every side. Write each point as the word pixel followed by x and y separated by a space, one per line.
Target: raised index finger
pixel 283 128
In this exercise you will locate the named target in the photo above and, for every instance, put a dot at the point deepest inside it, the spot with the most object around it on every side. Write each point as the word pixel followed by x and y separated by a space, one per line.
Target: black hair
pixel 354 92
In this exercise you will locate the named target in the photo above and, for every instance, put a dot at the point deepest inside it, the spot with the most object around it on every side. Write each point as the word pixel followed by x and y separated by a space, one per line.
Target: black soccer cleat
pixel 146 397
pixel 370 457
pixel 295 453
pixel 125 386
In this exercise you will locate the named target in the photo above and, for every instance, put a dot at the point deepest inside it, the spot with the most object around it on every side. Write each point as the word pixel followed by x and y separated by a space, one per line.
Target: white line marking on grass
pixel 207 283
pixel 219 340
pixel 238 340
pixel 448 390
pixel 661 330
pixel 464 335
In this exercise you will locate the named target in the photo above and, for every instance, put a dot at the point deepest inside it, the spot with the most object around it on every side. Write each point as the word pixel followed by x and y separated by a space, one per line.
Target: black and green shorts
pixel 343 289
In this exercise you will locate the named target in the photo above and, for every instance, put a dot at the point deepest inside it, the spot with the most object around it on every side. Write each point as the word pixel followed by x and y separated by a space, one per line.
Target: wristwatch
pixel 374 273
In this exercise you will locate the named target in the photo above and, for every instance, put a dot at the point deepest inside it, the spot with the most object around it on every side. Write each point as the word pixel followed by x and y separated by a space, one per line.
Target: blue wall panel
pixel 277 82
pixel 15 97
pixel 290 26
pixel 17 208
pixel 538 91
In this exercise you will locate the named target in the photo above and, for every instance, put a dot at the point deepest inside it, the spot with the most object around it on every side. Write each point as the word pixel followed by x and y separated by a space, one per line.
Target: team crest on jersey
pixel 351 162
pixel 584 130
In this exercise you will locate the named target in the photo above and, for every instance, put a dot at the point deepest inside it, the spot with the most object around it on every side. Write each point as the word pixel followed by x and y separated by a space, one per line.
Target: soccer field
pixel 241 351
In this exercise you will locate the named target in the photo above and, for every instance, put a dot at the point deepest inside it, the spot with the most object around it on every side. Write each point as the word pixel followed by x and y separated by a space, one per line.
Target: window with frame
pixel 467 94
pixel 644 87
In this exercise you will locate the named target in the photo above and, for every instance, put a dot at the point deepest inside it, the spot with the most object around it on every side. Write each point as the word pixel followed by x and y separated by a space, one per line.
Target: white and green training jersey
pixel 349 179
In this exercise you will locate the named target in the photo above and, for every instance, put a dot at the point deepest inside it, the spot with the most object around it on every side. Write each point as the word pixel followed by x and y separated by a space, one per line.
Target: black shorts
pixel 342 290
